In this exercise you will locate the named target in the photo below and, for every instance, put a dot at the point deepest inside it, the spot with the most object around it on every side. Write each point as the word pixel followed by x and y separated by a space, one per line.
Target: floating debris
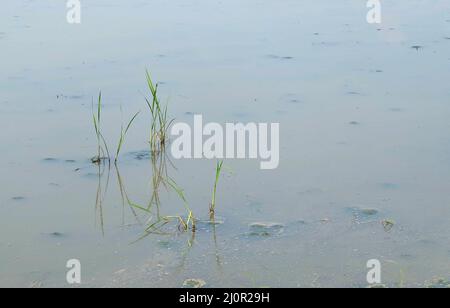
pixel 194 283
pixel 417 47
pixel 388 224
pixel 97 160
pixel 18 198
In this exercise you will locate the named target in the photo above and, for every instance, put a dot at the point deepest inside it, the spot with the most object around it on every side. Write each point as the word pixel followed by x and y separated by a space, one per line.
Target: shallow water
pixel 363 119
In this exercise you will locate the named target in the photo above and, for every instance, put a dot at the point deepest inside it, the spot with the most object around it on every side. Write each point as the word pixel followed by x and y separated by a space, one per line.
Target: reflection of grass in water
pixel 125 198
pixel 160 178
pixel 102 147
pixel 212 207
pixel 160 123
pixel 101 194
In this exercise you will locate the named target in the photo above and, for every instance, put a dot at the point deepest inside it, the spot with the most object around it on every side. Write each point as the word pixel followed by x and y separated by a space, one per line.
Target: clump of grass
pixel 212 206
pixel 123 133
pixel 102 147
pixel 160 122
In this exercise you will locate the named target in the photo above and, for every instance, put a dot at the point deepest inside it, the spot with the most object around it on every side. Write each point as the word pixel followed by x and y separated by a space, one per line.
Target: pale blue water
pixel 363 119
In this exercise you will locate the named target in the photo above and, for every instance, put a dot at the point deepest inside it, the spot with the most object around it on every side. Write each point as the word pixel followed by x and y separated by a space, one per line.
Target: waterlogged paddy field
pixel 364 128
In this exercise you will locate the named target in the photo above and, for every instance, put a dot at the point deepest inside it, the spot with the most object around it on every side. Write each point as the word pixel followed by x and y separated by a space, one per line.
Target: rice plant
pixel 123 133
pixel 160 123
pixel 102 147
pixel 212 206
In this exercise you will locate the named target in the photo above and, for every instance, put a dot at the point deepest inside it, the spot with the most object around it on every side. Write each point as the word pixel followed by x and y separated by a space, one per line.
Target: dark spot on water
pixel 54 184
pixel 265 229
pixel 56 234
pixel 280 57
pixel 361 214
pixel 18 198
pixel 50 160
pixel 91 175
pixel 417 47
pixel 354 123
pixel 76 97
pixel 70 97
pixel 16 77
pixel 255 205
pixel 140 155
pixel 388 186
pixel 342 143
pixel 167 244
pixel 294 101
pixel 396 109
pixel 407 256
pixel 353 93
pixel 70 161
pixel 241 114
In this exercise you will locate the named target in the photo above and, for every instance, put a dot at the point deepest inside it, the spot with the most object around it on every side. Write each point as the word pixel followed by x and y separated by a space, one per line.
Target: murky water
pixel 364 121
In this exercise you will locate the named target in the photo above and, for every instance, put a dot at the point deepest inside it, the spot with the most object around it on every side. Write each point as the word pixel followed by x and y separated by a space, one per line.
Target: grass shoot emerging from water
pixel 102 147
pixel 212 206
pixel 123 133
pixel 160 122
